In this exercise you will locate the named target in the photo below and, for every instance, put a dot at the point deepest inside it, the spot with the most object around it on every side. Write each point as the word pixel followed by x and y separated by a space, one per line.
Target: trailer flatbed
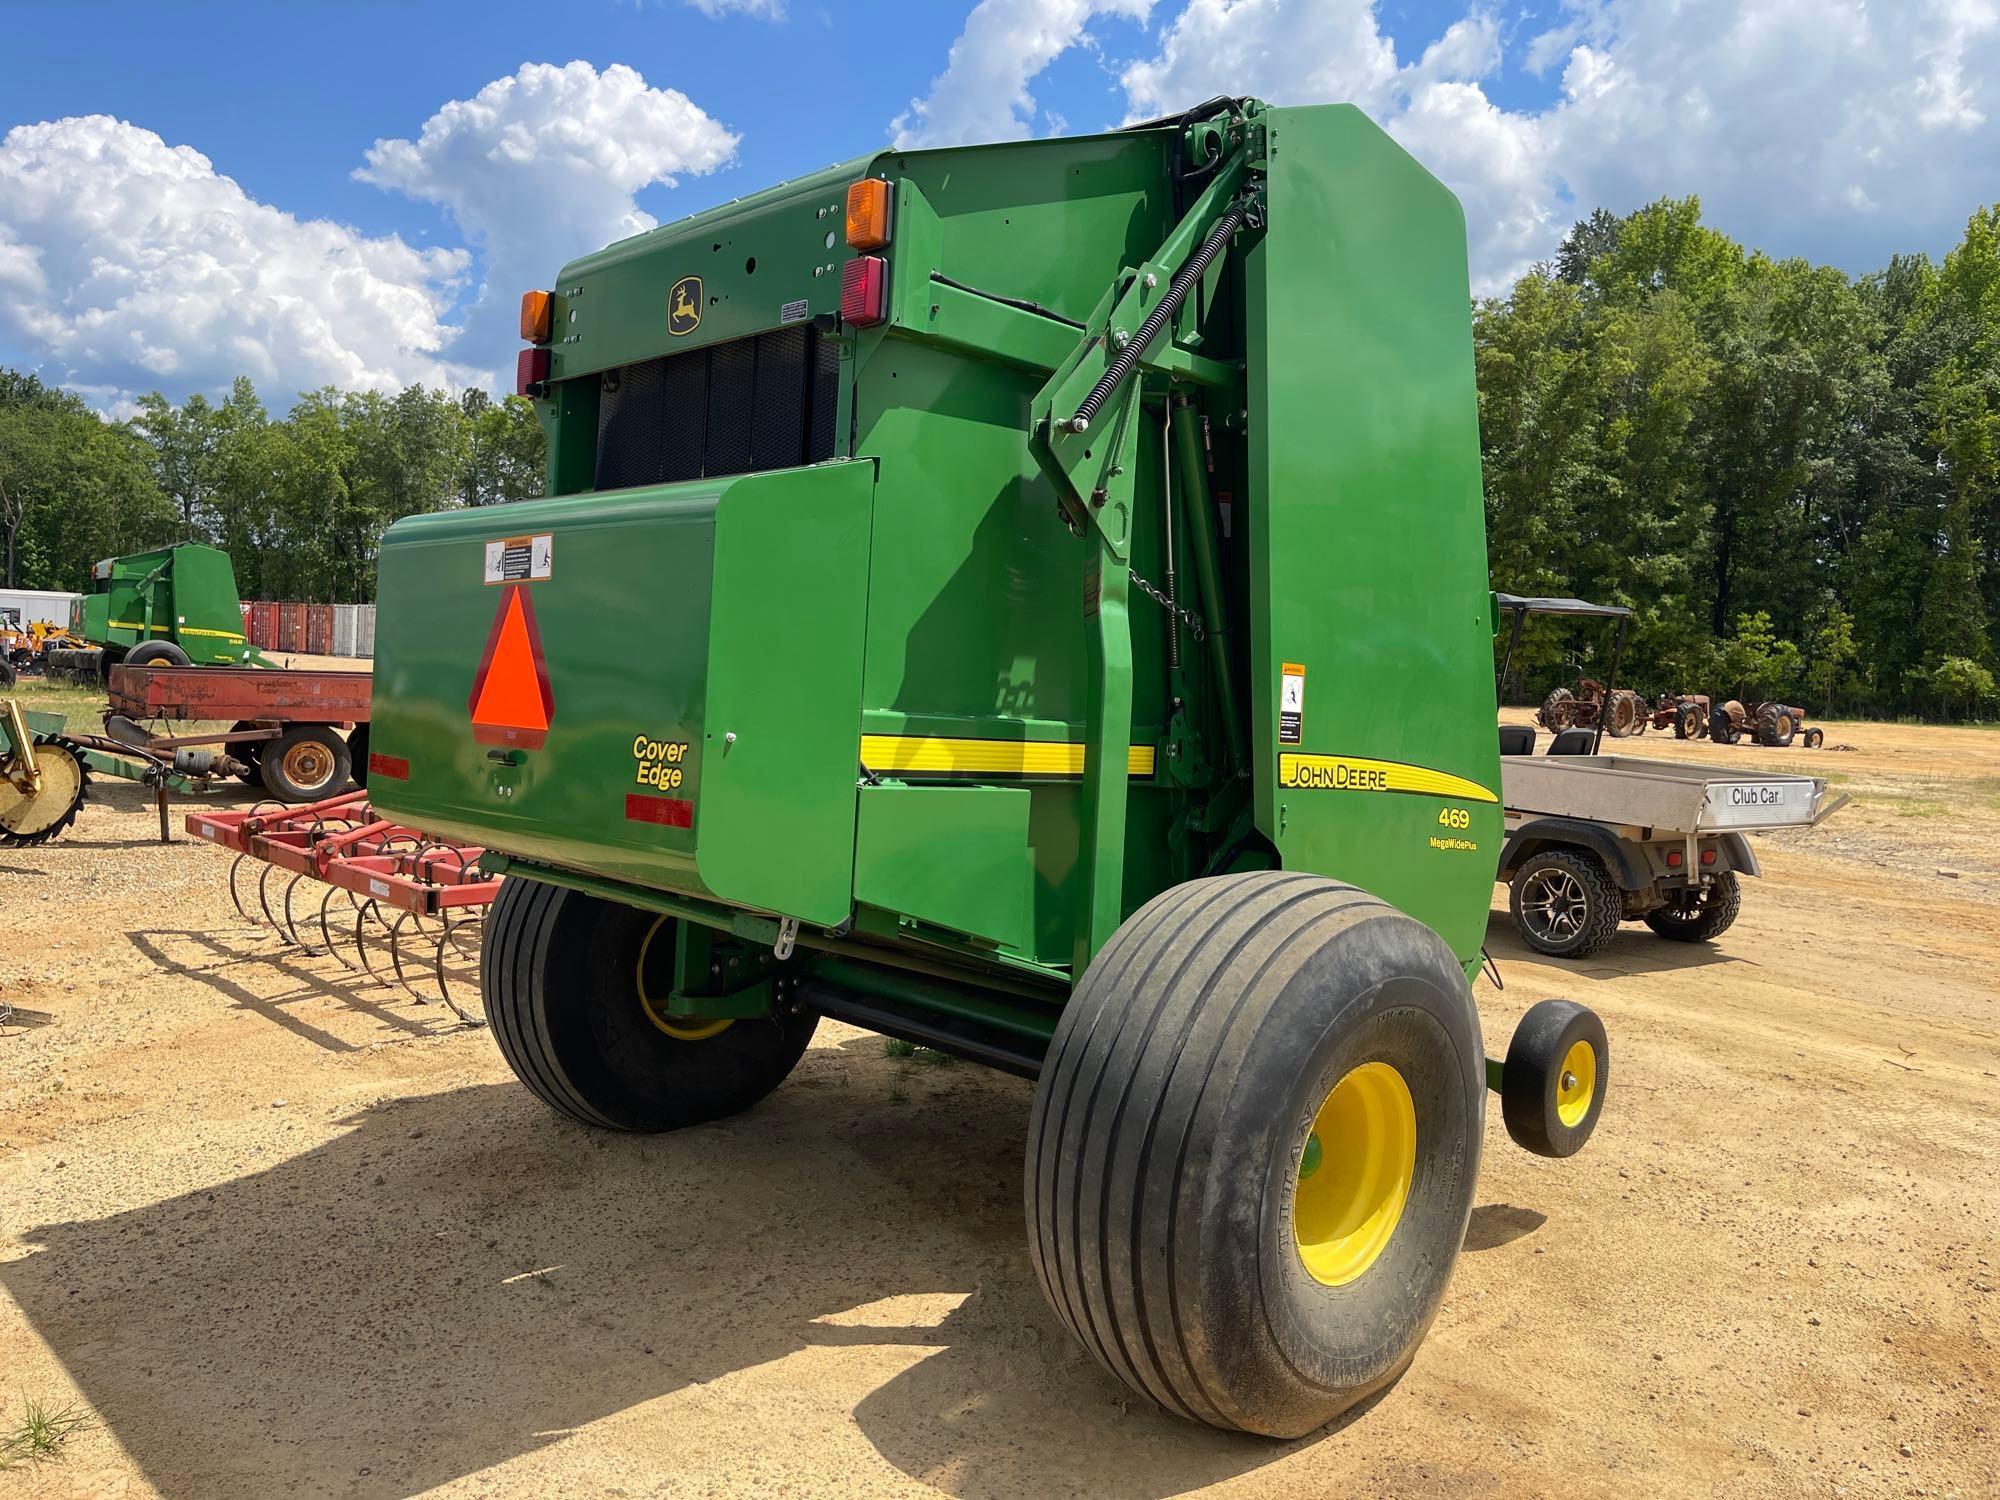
pixel 283 695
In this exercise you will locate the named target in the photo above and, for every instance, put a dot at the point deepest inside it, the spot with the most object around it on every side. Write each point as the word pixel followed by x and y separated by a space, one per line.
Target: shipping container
pixel 319 629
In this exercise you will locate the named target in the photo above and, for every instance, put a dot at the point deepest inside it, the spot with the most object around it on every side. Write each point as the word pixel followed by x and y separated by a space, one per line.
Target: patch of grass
pixel 1909 808
pixel 929 1057
pixel 83 707
pixel 38 1434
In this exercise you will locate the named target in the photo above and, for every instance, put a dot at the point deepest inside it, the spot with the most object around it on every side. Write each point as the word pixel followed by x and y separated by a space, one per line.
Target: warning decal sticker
pixel 511 702
pixel 520 559
pixel 1291 704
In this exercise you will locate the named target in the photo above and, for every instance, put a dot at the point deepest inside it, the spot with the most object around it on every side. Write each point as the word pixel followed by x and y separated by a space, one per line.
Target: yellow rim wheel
pixel 24 814
pixel 680 1028
pixel 1578 1084
pixel 1354 1173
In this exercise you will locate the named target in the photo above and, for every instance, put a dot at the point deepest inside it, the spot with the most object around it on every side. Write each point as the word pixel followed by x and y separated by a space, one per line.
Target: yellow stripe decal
pixel 1350 773
pixel 226 635
pixel 938 755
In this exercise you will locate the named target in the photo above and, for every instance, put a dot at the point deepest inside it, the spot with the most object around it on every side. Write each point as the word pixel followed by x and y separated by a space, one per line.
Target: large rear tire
pixel 1558 710
pixel 1687 721
pixel 567 980
pixel 156 654
pixel 28 819
pixel 1253 1148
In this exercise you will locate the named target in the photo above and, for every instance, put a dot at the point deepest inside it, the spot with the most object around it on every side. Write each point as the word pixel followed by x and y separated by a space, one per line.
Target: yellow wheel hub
pixel 1354 1173
pixel 1578 1084
pixel 680 1028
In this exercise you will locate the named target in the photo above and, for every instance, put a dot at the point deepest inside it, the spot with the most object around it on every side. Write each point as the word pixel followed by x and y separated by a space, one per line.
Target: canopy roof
pixel 1534 606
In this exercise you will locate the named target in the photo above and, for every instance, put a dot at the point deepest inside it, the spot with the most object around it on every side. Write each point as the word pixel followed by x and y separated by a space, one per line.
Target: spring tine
pixel 263 900
pixel 361 914
pixel 396 954
pixel 326 929
pixel 450 938
pixel 236 891
pixel 291 922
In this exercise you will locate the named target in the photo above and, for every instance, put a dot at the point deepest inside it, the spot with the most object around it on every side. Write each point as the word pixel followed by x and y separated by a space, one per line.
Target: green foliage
pixel 1962 686
pixel 299 502
pixel 38 1432
pixel 1792 477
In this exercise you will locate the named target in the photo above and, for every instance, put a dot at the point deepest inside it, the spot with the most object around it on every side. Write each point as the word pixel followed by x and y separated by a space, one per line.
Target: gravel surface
pixel 279 1232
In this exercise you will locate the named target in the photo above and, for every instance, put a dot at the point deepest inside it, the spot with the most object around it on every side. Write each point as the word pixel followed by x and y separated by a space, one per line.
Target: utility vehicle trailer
pixel 1596 840
pixel 974 521
pixel 298 734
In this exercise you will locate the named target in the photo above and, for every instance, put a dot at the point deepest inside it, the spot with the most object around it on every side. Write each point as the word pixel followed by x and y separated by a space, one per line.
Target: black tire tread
pixel 1606 903
pixel 1725 905
pixel 1115 1285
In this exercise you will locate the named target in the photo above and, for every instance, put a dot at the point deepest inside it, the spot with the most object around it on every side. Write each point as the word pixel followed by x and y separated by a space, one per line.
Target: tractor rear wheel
pixel 1624 714
pixel 1775 726
pixel 1687 721
pixel 1558 710
pixel 1253 1148
pixel 1695 916
pixel 575 987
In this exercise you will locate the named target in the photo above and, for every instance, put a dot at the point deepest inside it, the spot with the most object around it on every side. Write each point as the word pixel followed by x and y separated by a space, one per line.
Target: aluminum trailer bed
pixel 1595 840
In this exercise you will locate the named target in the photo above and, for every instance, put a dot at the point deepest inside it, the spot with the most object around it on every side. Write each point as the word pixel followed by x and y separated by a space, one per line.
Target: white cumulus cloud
pixel 982 95
pixel 1840 129
pixel 126 263
pixel 540 167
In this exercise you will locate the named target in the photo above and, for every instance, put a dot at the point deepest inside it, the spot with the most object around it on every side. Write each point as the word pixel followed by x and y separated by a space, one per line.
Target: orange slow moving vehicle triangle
pixel 511 702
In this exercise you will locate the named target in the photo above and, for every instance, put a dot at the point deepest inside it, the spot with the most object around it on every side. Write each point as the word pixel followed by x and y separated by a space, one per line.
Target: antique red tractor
pixel 1768 723
pixel 1622 711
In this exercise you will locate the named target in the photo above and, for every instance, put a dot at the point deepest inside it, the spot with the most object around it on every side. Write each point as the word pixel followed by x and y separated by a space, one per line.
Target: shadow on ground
pixel 1634 949
pixel 460 1278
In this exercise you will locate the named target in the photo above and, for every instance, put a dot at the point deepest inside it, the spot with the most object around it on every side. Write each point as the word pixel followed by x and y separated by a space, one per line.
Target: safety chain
pixel 1158 596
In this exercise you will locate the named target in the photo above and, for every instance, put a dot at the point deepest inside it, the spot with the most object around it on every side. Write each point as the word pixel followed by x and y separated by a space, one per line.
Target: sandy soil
pixel 281 1233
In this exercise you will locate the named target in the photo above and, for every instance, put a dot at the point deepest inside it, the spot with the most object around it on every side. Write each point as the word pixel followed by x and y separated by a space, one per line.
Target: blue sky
pixel 179 197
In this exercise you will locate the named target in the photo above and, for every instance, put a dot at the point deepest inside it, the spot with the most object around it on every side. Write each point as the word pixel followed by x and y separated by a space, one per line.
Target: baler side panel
pixel 1367 531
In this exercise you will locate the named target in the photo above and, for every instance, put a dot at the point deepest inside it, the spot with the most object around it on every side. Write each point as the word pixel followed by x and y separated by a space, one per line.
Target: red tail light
pixel 864 291
pixel 531 372
pixel 1708 856
pixel 1673 859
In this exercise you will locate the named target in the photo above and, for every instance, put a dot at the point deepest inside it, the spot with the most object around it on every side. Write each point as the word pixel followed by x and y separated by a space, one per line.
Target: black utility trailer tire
pixel 566 978
pixel 1692 916
pixel 1553 1082
pixel 156 654
pixel 305 763
pixel 1564 903
pixel 1187 1221
pixel 250 752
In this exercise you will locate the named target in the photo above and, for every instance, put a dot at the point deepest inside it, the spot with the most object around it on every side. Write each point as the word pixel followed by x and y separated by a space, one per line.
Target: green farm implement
pixel 917 634
pixel 170 607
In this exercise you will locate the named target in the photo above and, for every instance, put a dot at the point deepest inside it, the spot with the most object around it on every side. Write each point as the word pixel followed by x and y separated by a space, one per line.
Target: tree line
pixel 299 501
pixel 1790 475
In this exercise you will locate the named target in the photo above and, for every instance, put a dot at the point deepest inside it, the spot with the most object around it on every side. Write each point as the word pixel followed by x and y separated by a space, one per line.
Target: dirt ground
pixel 277 1232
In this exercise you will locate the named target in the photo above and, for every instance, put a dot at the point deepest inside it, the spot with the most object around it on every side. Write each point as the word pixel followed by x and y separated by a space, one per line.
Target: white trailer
pixel 21 608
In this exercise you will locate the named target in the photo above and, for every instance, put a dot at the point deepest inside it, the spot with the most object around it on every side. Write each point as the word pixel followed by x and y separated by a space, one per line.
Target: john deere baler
pixel 1030 600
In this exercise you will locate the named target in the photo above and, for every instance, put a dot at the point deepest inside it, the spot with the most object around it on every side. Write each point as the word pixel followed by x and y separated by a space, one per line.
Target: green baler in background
pixel 971 524
pixel 171 607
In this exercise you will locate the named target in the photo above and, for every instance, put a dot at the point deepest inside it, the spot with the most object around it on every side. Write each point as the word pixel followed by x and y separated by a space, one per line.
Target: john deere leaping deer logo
pixel 684 306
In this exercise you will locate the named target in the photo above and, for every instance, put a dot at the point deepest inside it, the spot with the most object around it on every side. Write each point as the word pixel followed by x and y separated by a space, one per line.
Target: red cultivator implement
pixel 397 904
